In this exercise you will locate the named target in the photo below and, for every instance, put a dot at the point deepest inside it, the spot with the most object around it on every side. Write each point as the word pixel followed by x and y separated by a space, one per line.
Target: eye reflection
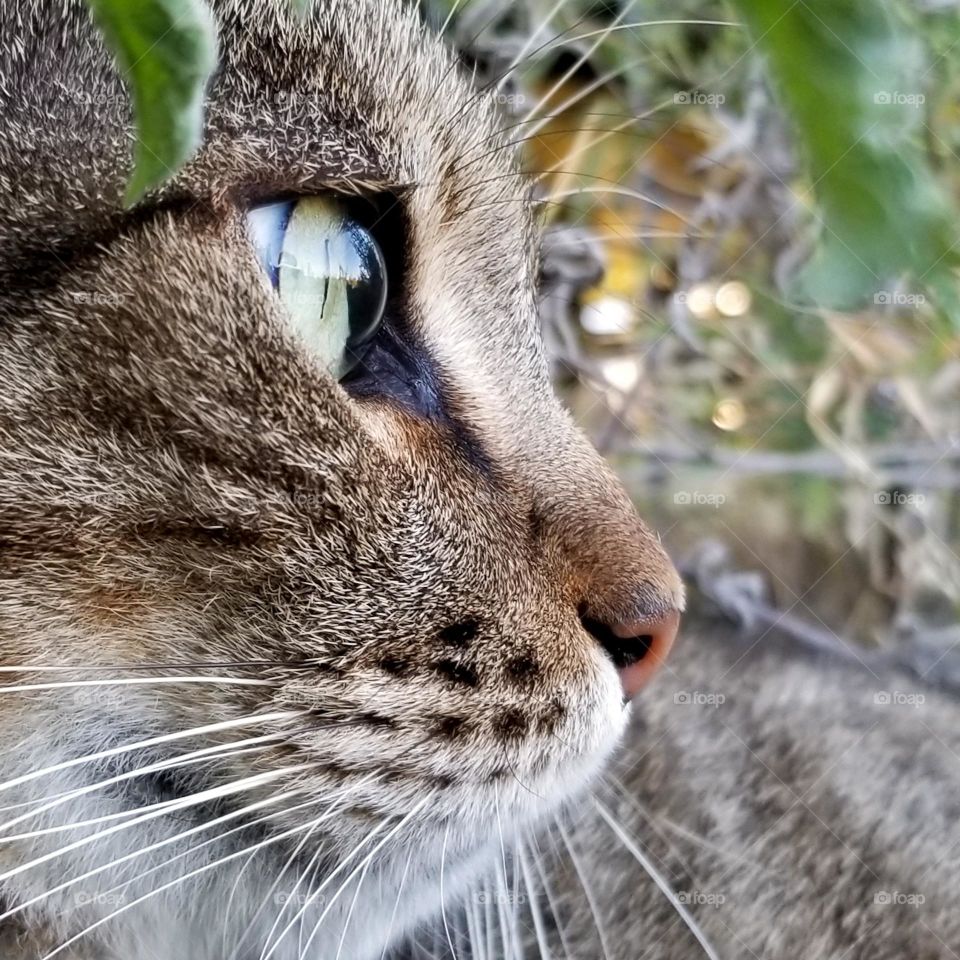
pixel 329 273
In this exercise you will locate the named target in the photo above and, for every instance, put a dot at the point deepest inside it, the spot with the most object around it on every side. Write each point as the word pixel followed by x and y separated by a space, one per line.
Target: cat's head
pixel 428 557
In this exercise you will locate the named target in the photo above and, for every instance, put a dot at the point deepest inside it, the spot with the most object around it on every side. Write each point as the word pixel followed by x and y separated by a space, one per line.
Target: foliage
pixel 166 50
pixel 852 79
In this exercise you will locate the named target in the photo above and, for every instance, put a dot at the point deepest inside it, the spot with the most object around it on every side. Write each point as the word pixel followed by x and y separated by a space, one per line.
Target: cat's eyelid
pixel 267 191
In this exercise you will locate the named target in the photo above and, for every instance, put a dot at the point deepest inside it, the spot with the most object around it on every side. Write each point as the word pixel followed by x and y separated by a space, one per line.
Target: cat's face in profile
pixel 425 567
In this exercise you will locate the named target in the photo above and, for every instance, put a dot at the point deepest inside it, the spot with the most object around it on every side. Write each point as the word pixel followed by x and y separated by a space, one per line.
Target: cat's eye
pixel 328 271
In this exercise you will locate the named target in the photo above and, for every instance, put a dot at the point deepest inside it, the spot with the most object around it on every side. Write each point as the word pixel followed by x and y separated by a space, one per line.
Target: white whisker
pixel 450 15
pixel 656 877
pixel 152 742
pixel 396 906
pixel 366 860
pixel 332 810
pixel 551 901
pixel 105 818
pixel 315 894
pixel 478 949
pixel 150 849
pixel 443 902
pixel 587 893
pixel 214 793
pixel 584 57
pixel 172 883
pixel 528 43
pixel 136 682
pixel 619 191
pixel 535 913
pixel 206 753
pixel 346 921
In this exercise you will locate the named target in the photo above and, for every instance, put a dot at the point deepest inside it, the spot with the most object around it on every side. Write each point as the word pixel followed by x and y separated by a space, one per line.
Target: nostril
pixel 623 651
pixel 636 648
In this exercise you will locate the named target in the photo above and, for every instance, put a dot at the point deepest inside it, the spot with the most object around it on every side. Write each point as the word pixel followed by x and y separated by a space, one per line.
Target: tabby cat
pixel 315 601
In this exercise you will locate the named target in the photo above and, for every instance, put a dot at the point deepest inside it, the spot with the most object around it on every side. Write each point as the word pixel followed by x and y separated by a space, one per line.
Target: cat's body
pixel 267 599
pixel 798 807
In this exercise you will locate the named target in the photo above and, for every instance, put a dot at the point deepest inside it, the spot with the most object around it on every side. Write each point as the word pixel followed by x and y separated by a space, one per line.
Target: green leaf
pixel 166 51
pixel 853 82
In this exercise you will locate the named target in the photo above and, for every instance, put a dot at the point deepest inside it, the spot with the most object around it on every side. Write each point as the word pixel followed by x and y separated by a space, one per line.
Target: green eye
pixel 329 273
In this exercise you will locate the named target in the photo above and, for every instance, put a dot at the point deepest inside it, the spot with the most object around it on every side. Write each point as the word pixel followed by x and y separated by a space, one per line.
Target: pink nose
pixel 637 649
pixel 646 648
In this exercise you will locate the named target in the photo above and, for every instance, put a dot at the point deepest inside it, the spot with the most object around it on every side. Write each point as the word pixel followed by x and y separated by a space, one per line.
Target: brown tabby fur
pixel 182 484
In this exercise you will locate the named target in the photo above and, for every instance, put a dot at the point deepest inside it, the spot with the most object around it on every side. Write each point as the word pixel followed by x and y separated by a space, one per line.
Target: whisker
pixel 606 31
pixel 363 863
pixel 203 796
pixel 680 830
pixel 658 879
pixel 528 43
pixel 174 665
pixel 443 902
pixel 619 191
pixel 172 883
pixel 286 811
pixel 396 906
pixel 26 904
pixel 104 818
pixel 535 912
pixel 551 901
pixel 136 681
pixel 450 15
pixel 315 894
pixel 334 808
pixel 152 742
pixel 581 94
pixel 507 927
pixel 214 752
pixel 478 949
pixel 611 186
pixel 578 63
pixel 346 921
pixel 612 236
pixel 588 895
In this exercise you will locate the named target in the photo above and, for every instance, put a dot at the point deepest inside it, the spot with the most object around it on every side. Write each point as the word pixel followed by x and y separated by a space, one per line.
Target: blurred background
pixel 755 325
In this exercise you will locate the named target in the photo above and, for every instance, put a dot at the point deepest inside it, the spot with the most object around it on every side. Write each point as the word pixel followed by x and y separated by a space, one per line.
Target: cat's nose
pixel 637 648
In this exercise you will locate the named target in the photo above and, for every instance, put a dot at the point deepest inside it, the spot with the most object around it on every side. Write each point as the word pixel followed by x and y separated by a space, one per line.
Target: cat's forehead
pixel 357 95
